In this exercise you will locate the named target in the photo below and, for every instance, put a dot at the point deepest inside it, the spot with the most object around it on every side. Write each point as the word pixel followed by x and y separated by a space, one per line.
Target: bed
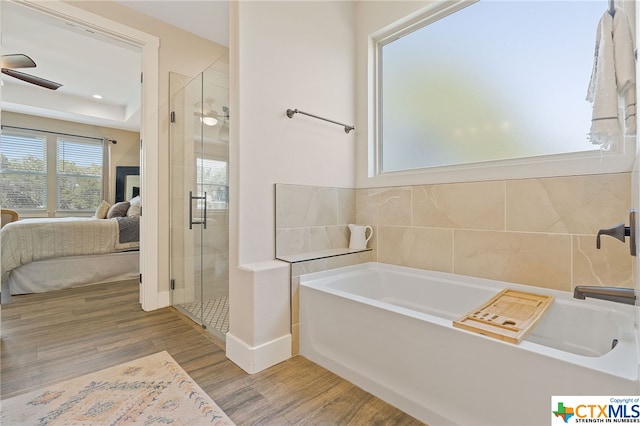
pixel 40 255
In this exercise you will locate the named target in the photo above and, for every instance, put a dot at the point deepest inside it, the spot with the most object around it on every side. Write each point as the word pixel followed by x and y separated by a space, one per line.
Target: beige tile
pixel 542 260
pixel 304 206
pixel 295 339
pixel 305 240
pixel 476 205
pixel 291 241
pixel 575 204
pixel 425 248
pixel 384 206
pixel 373 242
pixel 610 266
pixel 300 268
pixel 346 206
pixel 317 265
pixel 328 237
pixel 295 300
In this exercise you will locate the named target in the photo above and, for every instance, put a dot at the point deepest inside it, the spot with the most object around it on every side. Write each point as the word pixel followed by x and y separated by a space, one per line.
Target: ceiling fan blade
pixel 32 79
pixel 17 61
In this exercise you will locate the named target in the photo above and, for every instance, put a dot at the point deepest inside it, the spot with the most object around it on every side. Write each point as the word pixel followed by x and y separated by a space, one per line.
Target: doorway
pixel 148 46
pixel 199 212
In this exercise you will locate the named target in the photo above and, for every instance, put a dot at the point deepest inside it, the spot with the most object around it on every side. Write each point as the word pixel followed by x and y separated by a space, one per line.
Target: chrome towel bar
pixel 292 112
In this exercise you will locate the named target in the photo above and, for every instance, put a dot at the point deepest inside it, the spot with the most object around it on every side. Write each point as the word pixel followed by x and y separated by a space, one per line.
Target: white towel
pixel 613 75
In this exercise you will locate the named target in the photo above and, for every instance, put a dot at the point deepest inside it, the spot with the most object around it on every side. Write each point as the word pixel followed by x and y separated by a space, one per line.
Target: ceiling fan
pixel 23 61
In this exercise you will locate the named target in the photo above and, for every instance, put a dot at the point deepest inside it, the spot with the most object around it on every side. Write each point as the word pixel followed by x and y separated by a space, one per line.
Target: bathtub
pixel 388 329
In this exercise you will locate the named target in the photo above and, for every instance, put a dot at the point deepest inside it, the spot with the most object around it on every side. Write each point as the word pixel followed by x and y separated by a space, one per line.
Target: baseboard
pixel 257 358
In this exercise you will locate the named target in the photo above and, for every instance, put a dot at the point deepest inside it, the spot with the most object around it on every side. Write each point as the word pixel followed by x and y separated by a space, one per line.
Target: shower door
pixel 199 234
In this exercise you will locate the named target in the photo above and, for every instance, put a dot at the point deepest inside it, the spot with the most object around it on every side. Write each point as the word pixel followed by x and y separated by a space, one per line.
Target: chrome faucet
pixel 612 294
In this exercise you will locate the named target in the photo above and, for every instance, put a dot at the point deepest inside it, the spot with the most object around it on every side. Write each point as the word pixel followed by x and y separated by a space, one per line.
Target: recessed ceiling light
pixel 96 96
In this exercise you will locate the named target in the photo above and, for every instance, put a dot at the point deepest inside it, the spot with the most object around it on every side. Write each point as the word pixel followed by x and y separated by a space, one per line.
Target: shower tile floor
pixel 215 313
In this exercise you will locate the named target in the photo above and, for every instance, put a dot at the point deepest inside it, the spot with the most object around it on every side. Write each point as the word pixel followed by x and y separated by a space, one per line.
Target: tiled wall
pixel 312 218
pixel 539 232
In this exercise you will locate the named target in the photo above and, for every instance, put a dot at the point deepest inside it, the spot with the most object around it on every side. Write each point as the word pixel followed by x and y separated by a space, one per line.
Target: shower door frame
pixel 199 232
pixel 185 278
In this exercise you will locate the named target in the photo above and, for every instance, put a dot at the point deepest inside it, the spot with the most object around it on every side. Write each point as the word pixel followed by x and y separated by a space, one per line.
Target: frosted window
pixel 496 80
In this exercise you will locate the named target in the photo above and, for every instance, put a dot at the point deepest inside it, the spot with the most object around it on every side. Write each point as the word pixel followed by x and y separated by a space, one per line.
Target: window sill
pixel 584 163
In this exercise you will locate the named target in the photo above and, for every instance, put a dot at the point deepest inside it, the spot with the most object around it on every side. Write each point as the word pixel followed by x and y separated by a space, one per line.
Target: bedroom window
pixel 46 172
pixel 213 179
pixel 78 174
pixel 24 172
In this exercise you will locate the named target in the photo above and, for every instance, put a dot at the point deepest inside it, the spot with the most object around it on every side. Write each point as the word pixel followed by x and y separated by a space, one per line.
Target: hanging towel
pixel 613 75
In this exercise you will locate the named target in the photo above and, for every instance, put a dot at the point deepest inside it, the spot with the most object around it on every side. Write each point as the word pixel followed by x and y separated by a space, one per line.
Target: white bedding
pixel 30 240
pixel 71 271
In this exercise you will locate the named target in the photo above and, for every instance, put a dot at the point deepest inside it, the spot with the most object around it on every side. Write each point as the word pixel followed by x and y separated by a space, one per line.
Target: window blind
pixel 45 171
pixel 24 171
pixel 79 165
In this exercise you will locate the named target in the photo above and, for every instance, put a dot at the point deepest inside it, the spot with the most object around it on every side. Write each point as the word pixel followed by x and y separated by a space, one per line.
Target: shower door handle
pixel 204 219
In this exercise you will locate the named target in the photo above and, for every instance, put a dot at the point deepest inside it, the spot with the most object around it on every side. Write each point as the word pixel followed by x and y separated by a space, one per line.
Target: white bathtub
pixel 388 329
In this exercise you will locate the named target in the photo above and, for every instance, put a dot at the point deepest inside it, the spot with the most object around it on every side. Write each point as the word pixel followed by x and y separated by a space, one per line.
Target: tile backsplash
pixel 539 232
pixel 312 218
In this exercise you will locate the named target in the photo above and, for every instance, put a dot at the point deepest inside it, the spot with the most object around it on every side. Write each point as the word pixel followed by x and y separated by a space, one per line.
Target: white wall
pixel 283 55
pixel 292 55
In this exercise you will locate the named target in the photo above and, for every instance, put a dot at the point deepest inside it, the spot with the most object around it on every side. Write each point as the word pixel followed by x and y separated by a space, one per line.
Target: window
pixel 78 174
pixel 47 172
pixel 212 178
pixel 486 83
pixel 24 172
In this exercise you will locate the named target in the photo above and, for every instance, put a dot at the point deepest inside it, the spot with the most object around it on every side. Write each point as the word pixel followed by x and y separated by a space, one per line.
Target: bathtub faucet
pixel 612 294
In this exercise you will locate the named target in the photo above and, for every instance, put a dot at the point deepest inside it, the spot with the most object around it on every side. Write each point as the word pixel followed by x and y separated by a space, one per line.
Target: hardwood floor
pixel 48 338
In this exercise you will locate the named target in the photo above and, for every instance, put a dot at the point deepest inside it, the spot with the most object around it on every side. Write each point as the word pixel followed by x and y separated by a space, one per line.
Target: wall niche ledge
pixel 320 254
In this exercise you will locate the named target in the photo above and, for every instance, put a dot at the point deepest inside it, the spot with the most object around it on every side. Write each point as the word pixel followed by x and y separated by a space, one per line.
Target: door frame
pixel 149 45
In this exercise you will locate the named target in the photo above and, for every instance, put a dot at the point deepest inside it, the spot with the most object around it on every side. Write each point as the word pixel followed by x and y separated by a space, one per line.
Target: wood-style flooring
pixel 48 338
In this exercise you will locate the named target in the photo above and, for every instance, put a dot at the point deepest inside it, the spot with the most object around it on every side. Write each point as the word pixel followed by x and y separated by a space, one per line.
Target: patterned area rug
pixel 153 390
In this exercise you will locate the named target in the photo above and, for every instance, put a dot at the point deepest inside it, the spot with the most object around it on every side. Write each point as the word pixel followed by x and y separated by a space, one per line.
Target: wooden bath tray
pixel 508 316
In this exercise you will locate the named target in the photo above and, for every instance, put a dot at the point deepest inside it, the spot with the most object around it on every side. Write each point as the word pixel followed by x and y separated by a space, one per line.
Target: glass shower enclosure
pixel 199 214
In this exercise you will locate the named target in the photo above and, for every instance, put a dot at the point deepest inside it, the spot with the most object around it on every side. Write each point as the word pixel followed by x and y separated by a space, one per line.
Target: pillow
pixel 102 210
pixel 134 206
pixel 118 210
